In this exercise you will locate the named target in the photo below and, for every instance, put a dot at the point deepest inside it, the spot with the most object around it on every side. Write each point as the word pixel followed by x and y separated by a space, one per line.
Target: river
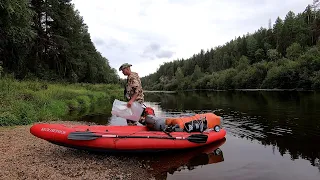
pixel 270 135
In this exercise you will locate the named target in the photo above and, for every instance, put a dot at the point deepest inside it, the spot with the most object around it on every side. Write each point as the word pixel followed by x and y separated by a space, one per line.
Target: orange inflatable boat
pixel 135 138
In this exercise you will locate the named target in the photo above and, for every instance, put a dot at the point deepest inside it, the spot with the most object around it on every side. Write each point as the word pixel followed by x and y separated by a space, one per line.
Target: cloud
pixel 136 31
pixel 98 42
pixel 116 44
pixel 164 54
pixel 153 47
pixel 154 50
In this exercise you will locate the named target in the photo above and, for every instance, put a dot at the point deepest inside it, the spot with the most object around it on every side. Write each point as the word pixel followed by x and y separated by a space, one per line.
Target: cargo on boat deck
pixel 196 123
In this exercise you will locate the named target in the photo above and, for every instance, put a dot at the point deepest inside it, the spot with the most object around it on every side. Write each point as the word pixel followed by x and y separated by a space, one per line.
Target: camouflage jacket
pixel 134 86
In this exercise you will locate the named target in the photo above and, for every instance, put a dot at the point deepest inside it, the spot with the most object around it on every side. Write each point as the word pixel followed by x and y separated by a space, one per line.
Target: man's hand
pixel 129 104
pixel 132 100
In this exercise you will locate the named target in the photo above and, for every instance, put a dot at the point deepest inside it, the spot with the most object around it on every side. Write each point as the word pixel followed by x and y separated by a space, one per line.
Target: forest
pixel 48 40
pixel 286 55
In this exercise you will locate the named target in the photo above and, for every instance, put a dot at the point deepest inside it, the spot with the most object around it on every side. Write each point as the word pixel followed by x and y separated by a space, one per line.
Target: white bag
pixel 120 109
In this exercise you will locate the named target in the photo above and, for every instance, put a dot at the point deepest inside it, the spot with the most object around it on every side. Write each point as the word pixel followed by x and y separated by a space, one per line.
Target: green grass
pixel 25 102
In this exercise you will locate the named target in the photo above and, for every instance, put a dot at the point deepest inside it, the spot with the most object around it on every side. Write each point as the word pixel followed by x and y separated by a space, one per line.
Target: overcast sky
pixel 147 33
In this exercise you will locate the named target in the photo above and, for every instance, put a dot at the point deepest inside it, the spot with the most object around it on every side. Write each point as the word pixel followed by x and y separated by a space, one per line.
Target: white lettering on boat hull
pixel 53 130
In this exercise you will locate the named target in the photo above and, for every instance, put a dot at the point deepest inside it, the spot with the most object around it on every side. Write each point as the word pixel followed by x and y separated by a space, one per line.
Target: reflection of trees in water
pixel 99 113
pixel 162 164
pixel 286 120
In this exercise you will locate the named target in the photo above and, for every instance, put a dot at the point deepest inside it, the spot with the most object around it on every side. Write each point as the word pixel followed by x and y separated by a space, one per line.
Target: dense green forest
pixel 285 56
pixel 47 39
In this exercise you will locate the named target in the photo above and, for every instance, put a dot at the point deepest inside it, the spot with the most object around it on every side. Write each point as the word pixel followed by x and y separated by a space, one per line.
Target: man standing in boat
pixel 133 89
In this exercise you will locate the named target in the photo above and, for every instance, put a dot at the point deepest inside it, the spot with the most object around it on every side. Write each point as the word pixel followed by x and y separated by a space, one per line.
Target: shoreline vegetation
pixel 26 102
pixel 29 101
pixel 49 64
pixel 285 55
pixel 214 90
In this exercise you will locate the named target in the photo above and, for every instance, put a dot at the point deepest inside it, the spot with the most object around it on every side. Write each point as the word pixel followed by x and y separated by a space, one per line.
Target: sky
pixel 147 33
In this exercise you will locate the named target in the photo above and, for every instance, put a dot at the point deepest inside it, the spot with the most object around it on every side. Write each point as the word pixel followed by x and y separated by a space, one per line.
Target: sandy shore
pixel 24 156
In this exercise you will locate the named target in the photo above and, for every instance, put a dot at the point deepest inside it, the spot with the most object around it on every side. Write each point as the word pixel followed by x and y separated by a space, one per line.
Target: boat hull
pixel 58 134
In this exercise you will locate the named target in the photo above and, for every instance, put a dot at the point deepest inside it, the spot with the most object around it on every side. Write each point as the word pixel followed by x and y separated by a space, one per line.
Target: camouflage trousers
pixel 133 123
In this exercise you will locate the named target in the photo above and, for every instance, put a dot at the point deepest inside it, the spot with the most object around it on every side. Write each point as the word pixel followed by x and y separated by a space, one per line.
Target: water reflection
pixel 289 121
pixel 160 165
pixel 99 113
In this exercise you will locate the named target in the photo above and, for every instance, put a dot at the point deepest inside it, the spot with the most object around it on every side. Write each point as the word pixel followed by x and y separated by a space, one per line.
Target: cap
pixel 124 66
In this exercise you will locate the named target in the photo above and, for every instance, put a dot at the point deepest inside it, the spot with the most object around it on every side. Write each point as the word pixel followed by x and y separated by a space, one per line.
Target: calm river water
pixel 270 135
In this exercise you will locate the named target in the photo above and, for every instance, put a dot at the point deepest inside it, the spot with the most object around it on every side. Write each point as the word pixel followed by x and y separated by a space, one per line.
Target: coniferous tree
pixel 283 56
pixel 48 39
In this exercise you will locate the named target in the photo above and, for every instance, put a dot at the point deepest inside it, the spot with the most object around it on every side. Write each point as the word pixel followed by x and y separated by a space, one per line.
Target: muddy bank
pixel 24 156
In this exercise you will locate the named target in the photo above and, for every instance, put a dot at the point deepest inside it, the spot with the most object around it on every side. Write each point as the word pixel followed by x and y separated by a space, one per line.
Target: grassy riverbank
pixel 24 102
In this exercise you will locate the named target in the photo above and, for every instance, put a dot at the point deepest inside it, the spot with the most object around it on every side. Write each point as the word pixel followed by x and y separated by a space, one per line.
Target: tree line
pixel 285 55
pixel 48 39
